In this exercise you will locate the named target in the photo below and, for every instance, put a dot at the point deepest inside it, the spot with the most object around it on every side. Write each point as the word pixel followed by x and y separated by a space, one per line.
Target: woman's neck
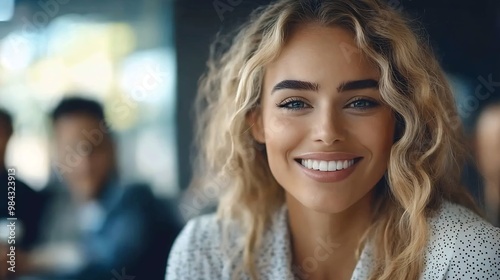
pixel 324 244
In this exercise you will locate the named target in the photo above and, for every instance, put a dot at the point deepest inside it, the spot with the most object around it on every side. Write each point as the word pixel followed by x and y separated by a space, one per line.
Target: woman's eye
pixel 362 104
pixel 293 105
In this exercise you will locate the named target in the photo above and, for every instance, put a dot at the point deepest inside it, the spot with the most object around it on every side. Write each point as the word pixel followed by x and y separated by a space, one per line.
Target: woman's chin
pixel 325 203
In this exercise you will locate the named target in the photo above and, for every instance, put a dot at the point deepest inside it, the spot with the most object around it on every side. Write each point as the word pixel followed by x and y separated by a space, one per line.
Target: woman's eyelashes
pixel 363 104
pixel 296 103
pixel 293 103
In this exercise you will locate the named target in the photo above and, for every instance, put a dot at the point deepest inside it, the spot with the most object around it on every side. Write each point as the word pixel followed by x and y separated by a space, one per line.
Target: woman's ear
pixel 254 121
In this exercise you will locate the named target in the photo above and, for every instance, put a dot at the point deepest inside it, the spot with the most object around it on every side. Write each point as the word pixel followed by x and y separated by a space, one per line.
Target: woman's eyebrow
pixel 358 84
pixel 344 86
pixel 295 85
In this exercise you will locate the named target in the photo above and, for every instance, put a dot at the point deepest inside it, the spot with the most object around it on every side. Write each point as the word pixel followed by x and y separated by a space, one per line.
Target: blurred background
pixel 142 60
pixel 121 53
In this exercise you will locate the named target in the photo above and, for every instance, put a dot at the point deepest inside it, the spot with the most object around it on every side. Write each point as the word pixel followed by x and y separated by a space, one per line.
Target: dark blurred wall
pixel 197 23
pixel 465 34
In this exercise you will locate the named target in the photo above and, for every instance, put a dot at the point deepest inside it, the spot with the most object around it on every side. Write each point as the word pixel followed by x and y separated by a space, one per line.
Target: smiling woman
pixel 328 121
pixel 334 116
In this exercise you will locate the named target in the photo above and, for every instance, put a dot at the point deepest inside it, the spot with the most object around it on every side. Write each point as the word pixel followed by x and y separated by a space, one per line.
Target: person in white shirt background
pixel 327 128
pixel 487 152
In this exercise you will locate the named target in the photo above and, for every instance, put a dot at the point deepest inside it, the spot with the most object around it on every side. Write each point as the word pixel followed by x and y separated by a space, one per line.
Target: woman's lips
pixel 328 171
pixel 328 156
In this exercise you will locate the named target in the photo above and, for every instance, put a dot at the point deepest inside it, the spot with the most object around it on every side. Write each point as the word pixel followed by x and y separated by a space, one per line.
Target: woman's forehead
pixel 320 54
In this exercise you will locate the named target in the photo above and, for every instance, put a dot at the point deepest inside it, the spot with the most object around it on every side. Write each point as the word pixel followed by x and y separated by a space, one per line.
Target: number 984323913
pixel 11 192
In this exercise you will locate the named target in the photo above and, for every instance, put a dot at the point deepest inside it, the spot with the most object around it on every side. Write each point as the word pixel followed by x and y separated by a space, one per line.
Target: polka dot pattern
pixel 461 246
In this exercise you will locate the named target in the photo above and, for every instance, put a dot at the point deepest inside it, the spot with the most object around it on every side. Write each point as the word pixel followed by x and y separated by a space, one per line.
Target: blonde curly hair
pixel 426 158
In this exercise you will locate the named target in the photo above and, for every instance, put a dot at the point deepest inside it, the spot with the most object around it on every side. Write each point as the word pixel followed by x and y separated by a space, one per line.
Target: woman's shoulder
pixel 207 248
pixel 452 219
pixel 200 233
pixel 201 250
pixel 195 251
pixel 462 244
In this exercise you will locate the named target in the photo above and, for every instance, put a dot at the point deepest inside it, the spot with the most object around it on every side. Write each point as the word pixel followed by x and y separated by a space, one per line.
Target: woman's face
pixel 327 134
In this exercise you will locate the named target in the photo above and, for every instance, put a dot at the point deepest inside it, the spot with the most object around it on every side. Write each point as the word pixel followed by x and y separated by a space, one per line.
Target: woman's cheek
pixel 279 127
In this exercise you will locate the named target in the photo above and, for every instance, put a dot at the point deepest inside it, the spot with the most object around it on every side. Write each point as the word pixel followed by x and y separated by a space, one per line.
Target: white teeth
pixel 323 165
pixel 340 165
pixel 332 166
pixel 315 165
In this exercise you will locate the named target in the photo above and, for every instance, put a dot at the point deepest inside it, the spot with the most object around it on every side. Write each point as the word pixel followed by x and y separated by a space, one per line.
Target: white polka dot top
pixel 461 246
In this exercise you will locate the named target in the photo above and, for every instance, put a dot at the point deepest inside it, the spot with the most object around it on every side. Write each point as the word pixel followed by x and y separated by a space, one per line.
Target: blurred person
pixel 100 228
pixel 487 154
pixel 326 125
pixel 27 205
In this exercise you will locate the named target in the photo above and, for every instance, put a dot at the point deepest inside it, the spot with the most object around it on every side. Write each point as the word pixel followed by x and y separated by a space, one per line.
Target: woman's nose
pixel 330 127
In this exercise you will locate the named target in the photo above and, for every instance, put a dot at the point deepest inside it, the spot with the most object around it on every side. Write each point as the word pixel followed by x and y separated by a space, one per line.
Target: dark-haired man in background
pixel 99 228
pixel 487 154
